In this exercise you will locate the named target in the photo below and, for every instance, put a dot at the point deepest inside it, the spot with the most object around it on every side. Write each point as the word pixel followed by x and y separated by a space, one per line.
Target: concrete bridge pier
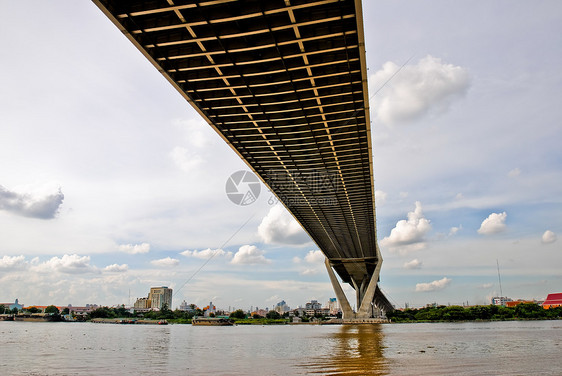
pixel 366 294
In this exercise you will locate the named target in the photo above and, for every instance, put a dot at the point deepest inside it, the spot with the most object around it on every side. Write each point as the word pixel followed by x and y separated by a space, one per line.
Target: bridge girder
pixel 284 82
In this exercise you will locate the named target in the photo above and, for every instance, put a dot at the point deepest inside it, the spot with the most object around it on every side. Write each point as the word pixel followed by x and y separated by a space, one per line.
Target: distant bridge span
pixel 284 82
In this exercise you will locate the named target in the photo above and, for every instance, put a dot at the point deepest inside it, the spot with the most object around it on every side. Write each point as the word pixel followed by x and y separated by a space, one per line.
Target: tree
pixel 481 312
pixel 2 309
pixel 65 311
pixel 52 309
pixel 455 313
pixel 165 312
pixel 503 313
pixel 101 312
pixel 238 314
pixel 529 311
pixel 121 311
pixel 274 315
pixel 33 310
pixel 554 313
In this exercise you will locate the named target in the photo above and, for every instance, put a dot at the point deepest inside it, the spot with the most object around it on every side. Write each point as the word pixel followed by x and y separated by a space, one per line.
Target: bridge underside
pixel 284 82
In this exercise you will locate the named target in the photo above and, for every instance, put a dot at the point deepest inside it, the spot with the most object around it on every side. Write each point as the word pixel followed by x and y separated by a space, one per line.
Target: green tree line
pixel 490 312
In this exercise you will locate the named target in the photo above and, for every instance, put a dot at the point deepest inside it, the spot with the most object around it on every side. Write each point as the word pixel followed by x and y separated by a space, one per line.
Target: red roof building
pixel 517 302
pixel 553 300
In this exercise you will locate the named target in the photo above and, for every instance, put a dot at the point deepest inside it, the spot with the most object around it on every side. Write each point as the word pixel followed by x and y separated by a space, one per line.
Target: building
pixel 259 312
pixel 142 303
pixel 157 297
pixel 281 307
pixel 82 310
pixel 184 306
pixel 553 301
pixel 42 308
pixel 11 306
pixel 515 303
pixel 500 300
pixel 210 309
pixel 311 312
pixel 313 304
pixel 333 306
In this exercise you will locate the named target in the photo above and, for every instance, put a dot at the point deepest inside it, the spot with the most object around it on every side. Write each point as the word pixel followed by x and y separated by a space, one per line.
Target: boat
pixel 37 317
pixel 211 321
pixel 6 317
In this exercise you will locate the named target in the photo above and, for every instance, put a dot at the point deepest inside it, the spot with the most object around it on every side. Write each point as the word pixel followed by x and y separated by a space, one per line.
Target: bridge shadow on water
pixel 351 350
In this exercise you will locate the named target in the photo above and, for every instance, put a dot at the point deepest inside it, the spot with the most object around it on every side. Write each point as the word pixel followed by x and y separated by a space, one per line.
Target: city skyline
pixel 114 183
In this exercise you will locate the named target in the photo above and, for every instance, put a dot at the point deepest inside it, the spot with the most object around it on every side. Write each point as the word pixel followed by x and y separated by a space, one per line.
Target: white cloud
pixel 185 159
pixel 249 255
pixel 135 248
pixel 459 196
pixel 35 205
pixel 548 237
pixel 309 271
pixel 70 264
pixel 196 132
pixel 115 268
pixel 167 262
pixel 314 257
pixel 486 285
pixel 273 299
pixel 494 224
pixel 380 197
pixel 433 286
pixel 13 263
pixel 279 227
pixel 454 230
pixel 429 86
pixel 414 264
pixel 514 173
pixel 409 234
pixel 206 253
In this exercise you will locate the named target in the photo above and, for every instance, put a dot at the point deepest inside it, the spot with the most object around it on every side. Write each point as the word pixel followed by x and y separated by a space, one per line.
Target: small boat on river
pixel 211 321
pixel 37 317
pixel 6 317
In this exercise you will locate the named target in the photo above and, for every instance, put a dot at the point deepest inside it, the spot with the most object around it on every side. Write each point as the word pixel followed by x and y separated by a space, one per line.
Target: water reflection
pixel 352 350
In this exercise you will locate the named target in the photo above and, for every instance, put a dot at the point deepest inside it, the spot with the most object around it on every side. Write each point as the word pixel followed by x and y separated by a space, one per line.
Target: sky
pixel 110 183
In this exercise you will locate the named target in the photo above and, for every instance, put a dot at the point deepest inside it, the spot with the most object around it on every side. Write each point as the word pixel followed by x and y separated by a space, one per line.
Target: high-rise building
pixel 159 296
pixel 282 307
pixel 313 304
pixel 333 306
pixel 142 303
pixel 500 300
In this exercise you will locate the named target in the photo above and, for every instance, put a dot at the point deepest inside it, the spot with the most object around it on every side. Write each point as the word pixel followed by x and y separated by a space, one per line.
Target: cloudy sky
pixel 110 183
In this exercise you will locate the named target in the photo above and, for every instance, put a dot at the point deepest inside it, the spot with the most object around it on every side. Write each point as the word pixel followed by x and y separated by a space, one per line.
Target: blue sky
pixel 111 183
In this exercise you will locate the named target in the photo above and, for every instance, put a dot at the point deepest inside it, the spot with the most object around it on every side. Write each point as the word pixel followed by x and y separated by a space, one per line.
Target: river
pixel 470 348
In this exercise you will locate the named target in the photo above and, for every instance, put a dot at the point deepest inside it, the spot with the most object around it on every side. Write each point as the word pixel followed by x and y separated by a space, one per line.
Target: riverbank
pixel 524 311
pixel 129 321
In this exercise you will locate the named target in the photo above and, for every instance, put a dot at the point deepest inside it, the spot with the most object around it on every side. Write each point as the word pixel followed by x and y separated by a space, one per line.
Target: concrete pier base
pixel 366 298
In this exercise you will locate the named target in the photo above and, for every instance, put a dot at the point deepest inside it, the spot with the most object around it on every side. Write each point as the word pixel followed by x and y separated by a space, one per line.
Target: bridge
pixel 284 83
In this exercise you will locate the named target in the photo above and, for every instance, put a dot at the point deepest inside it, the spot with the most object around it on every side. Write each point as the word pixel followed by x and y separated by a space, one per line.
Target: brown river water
pixel 483 348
